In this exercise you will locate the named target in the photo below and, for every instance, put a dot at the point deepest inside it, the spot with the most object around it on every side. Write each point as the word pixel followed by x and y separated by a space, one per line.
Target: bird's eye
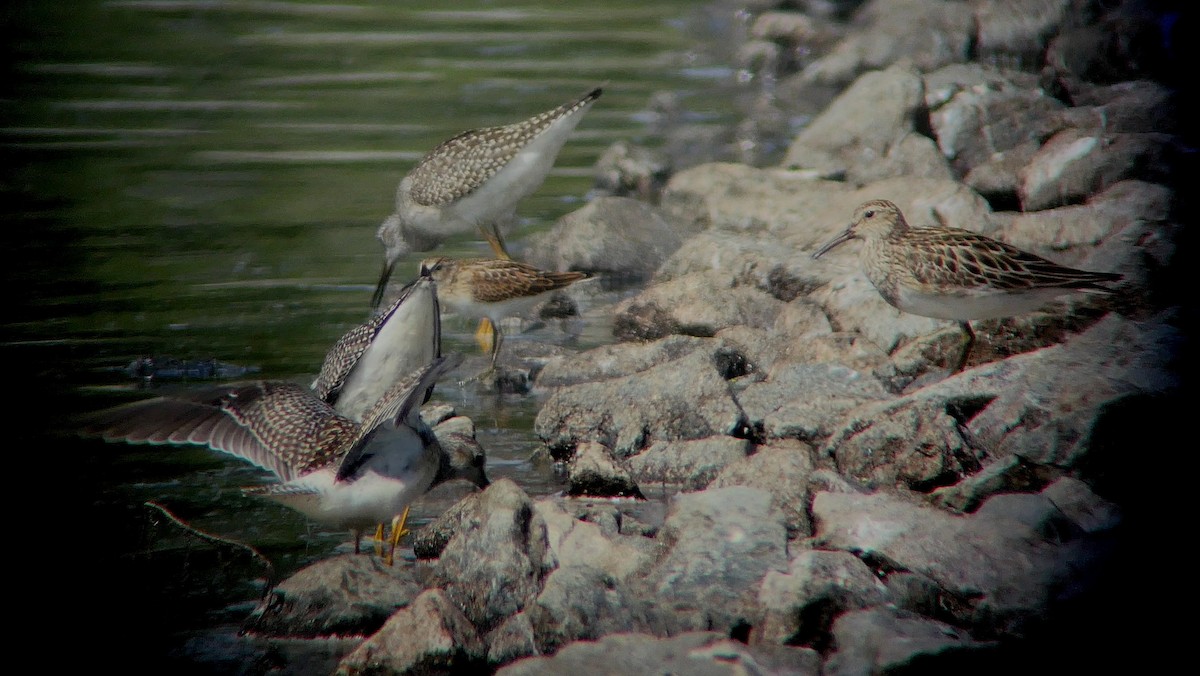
pixel 869 213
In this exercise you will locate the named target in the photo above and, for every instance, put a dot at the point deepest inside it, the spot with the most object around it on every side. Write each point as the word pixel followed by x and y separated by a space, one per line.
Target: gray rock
pixel 431 636
pixel 616 238
pixel 718 545
pixel 582 602
pixel 700 653
pixel 744 199
pixel 626 169
pixel 697 304
pixel 916 444
pixel 690 465
pixel 890 641
pixel 1010 561
pixel 977 123
pixel 345 595
pixel 1075 164
pixel 593 471
pixel 1065 228
pixel 806 401
pixel 929 34
pixel 496 561
pixel 782 468
pixel 683 399
pixel 619 359
pixel 867 133
pixel 1014 33
pixel 802 603
pixel 574 542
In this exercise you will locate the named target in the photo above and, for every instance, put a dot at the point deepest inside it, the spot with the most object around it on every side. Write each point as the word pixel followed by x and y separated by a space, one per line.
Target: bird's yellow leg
pixel 378 540
pixel 485 334
pixel 398 531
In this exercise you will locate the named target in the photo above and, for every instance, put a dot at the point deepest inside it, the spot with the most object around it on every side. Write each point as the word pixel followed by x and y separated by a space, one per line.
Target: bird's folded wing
pixel 399 406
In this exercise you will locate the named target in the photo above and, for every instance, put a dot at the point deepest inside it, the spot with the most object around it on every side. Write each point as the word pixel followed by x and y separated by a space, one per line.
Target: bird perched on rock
pixel 493 288
pixel 475 180
pixel 337 471
pixel 950 273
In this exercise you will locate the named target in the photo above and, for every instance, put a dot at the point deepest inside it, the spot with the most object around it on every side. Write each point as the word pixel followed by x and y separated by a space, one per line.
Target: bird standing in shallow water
pixel 334 470
pixel 949 273
pixel 475 180
pixel 364 363
pixel 493 288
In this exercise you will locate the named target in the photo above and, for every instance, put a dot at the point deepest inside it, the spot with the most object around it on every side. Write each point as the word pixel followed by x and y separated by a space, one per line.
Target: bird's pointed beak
pixel 381 287
pixel 845 236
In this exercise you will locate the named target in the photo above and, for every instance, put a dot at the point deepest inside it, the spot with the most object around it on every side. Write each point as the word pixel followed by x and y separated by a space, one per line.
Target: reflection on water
pixel 202 181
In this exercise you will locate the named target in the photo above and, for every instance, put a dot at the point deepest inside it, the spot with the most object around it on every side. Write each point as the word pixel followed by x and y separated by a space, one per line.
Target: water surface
pixel 202 181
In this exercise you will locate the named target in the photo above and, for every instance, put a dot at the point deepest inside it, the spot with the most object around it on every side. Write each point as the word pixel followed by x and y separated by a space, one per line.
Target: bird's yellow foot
pixel 398 531
pixel 378 540
pixel 485 335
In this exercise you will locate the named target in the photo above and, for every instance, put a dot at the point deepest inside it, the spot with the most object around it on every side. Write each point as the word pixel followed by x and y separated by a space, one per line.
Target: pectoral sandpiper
pixel 949 273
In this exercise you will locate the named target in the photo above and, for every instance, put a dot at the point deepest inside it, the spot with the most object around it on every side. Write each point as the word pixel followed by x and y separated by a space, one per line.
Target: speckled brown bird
pixel 369 358
pixel 335 470
pixel 475 180
pixel 950 273
pixel 493 288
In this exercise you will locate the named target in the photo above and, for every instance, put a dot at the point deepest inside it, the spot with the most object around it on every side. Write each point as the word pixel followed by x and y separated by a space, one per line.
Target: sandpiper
pixel 493 288
pixel 950 273
pixel 339 472
pixel 475 180
pixel 364 363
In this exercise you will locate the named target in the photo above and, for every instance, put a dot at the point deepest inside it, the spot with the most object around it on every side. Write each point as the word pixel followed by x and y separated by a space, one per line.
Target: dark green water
pixel 203 180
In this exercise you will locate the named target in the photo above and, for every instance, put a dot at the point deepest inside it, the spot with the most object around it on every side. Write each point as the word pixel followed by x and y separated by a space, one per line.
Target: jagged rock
pixel 431 636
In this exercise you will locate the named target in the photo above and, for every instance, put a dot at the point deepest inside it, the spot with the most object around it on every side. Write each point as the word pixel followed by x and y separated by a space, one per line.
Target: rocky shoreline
pixel 839 502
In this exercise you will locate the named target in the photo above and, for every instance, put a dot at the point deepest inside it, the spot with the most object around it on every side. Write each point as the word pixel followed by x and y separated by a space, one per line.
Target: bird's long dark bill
pixel 831 244
pixel 381 287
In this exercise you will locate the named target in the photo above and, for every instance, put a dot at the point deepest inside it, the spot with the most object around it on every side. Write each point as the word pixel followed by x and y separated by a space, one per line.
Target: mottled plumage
pixel 331 468
pixel 949 273
pixel 493 288
pixel 475 180
pixel 368 358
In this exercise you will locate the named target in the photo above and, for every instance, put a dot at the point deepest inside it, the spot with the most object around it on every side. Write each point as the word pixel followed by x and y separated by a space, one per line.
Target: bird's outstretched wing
pixel 277 425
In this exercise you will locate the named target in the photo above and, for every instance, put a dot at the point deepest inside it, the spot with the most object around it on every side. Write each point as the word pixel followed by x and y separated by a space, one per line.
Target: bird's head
pixel 875 219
